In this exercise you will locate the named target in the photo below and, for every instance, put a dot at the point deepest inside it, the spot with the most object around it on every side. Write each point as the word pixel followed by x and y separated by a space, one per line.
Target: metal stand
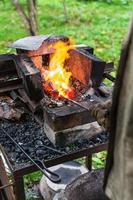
pixel 18 174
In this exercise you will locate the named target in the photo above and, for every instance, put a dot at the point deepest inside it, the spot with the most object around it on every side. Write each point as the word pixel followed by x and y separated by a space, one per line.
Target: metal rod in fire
pixel 79 104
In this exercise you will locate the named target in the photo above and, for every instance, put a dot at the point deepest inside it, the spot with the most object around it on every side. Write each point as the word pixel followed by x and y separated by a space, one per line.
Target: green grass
pixel 95 23
pixel 98 160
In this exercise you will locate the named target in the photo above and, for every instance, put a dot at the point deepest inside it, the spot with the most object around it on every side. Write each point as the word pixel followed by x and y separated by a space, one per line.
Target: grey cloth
pixel 30 43
pixel 119 184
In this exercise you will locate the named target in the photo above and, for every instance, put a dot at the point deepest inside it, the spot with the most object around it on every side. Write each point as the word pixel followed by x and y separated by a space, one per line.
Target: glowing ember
pixel 57 76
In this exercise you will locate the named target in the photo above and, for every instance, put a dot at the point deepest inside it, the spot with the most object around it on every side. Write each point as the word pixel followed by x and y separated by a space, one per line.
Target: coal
pixel 31 137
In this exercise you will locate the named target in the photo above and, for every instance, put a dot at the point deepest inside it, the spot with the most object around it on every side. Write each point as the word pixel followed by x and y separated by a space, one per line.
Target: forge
pixel 41 122
pixel 33 73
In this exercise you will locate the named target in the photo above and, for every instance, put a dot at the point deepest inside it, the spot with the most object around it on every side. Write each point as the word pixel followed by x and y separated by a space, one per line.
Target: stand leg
pixel 88 162
pixel 19 187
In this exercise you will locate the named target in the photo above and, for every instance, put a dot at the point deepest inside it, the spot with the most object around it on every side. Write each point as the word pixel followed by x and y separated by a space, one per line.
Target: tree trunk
pixel 32 11
pixel 29 20
pixel 65 10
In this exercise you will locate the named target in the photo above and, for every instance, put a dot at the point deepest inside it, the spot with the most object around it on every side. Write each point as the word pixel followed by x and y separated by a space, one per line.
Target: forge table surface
pixel 32 138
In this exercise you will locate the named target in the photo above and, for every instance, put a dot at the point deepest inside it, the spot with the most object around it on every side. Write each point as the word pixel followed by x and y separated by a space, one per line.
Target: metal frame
pixel 18 174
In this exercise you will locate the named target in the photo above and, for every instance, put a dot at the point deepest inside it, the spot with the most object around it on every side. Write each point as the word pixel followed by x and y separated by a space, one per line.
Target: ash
pixel 31 137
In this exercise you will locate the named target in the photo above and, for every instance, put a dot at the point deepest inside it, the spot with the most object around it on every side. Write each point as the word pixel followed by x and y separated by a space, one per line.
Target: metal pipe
pixel 50 148
pixel 79 104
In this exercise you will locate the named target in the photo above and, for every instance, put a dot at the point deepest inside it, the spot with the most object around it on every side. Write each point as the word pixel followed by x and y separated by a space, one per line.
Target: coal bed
pixel 30 135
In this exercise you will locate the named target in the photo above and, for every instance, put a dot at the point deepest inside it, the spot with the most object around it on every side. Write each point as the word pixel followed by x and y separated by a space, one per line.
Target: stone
pixel 68 136
pixel 68 171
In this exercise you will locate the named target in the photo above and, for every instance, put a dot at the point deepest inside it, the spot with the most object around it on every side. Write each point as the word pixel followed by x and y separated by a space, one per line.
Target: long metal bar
pixel 78 104
pixel 44 170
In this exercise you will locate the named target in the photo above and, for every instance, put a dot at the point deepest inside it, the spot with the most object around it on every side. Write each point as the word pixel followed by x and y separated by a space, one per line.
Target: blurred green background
pixel 101 24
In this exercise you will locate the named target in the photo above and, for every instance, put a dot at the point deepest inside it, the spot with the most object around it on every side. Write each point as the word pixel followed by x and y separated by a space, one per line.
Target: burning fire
pixel 57 78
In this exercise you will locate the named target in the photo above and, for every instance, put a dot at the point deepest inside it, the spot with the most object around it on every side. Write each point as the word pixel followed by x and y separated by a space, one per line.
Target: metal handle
pixel 46 172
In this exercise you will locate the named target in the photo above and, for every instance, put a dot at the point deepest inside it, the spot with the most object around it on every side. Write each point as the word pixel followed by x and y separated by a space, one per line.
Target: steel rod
pixel 50 148
pixel 79 104
pixel 6 158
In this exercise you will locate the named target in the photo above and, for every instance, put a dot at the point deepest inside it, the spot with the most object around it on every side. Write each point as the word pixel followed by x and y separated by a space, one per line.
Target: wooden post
pixel 4 181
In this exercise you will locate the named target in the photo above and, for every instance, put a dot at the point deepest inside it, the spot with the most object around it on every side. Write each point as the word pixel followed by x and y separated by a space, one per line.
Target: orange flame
pixel 57 75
